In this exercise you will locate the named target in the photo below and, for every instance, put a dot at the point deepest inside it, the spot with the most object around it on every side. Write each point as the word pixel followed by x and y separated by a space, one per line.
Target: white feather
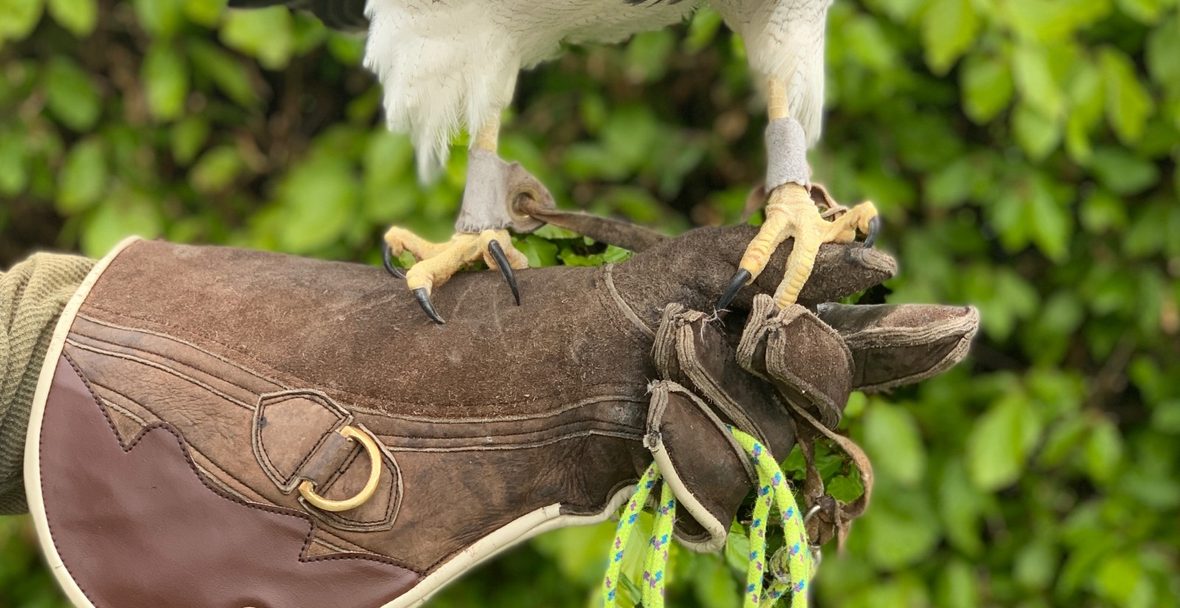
pixel 785 40
pixel 446 65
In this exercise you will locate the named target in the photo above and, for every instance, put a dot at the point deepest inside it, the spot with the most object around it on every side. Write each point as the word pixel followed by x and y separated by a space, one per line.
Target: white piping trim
pixel 717 531
pixel 36 417
pixel 519 530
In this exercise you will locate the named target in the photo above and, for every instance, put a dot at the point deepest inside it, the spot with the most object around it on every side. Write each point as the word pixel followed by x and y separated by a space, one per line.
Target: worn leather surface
pixel 806 359
pixel 152 533
pixel 252 361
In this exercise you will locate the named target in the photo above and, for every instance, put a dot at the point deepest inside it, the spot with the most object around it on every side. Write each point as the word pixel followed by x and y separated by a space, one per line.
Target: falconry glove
pixel 217 427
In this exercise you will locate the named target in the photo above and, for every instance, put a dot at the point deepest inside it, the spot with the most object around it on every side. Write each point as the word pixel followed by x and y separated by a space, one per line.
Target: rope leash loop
pixel 789 569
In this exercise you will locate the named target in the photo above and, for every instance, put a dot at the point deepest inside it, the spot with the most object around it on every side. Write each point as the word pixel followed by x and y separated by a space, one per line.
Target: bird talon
pixel 427 306
pixel 874 230
pixel 739 280
pixel 387 262
pixel 497 253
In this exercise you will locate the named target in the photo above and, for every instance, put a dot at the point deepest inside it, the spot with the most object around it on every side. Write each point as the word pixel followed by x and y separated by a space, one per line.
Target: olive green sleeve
pixel 32 296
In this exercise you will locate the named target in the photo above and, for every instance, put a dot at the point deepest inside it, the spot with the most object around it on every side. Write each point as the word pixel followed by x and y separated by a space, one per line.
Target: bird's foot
pixel 437 262
pixel 792 213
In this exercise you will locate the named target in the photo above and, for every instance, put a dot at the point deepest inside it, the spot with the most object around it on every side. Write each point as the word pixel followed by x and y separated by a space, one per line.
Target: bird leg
pixel 481 230
pixel 791 212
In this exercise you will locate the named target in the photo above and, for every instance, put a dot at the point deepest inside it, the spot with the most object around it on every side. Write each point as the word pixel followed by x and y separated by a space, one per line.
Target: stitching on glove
pixel 609 278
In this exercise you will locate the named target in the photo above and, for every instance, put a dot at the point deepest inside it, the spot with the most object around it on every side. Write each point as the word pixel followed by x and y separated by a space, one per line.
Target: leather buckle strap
pixel 307 487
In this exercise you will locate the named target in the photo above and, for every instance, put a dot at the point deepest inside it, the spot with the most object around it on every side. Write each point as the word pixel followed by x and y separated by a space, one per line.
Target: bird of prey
pixel 448 65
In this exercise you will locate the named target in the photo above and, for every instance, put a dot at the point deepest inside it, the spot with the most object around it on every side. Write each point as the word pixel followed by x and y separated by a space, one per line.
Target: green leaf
pixel 866 40
pixel 900 529
pixel 216 170
pixel 1004 298
pixel 1034 79
pixel 13 164
pixel 950 186
pixel 71 96
pixel 1104 451
pixel 737 547
pixel 347 49
pixel 188 137
pixel 390 190
pixel 1050 221
pixel 845 488
pixel 540 252
pixel 1052 21
pixel 1086 101
pixel 715 586
pixel 702 29
pixel 647 55
pixel 83 177
pixel 121 215
pixel 957 586
pixel 1036 564
pixel 1166 416
pixel 585 161
pixel 1103 212
pixel 1144 11
pixel 960 507
pixel 1163 47
pixel 900 11
pixel 1120 579
pixel 999 445
pixel 205 12
pixel 263 33
pixel 1037 134
pixel 77 16
pixel 629 136
pixel 1128 104
pixel 224 70
pixel 1123 173
pixel 319 200
pixel 987 87
pixel 949 28
pixel 19 17
pixel 894 442
pixel 1062 441
pixel 161 18
pixel 578 551
pixel 165 76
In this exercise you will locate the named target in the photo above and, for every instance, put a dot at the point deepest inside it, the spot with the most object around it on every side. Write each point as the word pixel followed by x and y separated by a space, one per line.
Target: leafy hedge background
pixel 1024 154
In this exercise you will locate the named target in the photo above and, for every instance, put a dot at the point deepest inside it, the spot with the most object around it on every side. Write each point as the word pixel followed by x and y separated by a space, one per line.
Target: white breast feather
pixel 450 64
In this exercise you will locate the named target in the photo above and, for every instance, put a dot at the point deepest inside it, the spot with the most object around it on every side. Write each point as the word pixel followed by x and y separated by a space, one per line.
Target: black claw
pixel 497 252
pixel 427 306
pixel 738 281
pixel 874 230
pixel 387 262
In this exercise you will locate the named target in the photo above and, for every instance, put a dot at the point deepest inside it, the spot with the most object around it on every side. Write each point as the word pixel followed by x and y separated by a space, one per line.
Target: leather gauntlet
pixel 218 427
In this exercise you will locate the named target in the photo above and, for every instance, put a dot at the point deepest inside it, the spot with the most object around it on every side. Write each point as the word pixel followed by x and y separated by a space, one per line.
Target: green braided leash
pixel 791 567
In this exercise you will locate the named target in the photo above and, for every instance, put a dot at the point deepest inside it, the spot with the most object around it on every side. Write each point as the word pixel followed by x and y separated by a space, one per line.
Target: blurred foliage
pixel 1024 154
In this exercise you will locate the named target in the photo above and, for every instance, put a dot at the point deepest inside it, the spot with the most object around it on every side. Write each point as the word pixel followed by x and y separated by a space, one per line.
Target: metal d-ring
pixel 816 508
pixel 307 487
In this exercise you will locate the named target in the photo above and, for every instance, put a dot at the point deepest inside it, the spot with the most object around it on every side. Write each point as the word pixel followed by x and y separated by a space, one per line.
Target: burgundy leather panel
pixel 138 528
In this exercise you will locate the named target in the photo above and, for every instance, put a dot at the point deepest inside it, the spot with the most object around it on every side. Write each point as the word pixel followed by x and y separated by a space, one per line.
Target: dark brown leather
pixel 255 361
pixel 705 460
pixel 806 359
pixel 901 344
pixel 151 533
pixel 694 352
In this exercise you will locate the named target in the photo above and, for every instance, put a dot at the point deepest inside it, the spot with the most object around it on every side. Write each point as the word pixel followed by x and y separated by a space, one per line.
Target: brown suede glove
pixel 198 401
